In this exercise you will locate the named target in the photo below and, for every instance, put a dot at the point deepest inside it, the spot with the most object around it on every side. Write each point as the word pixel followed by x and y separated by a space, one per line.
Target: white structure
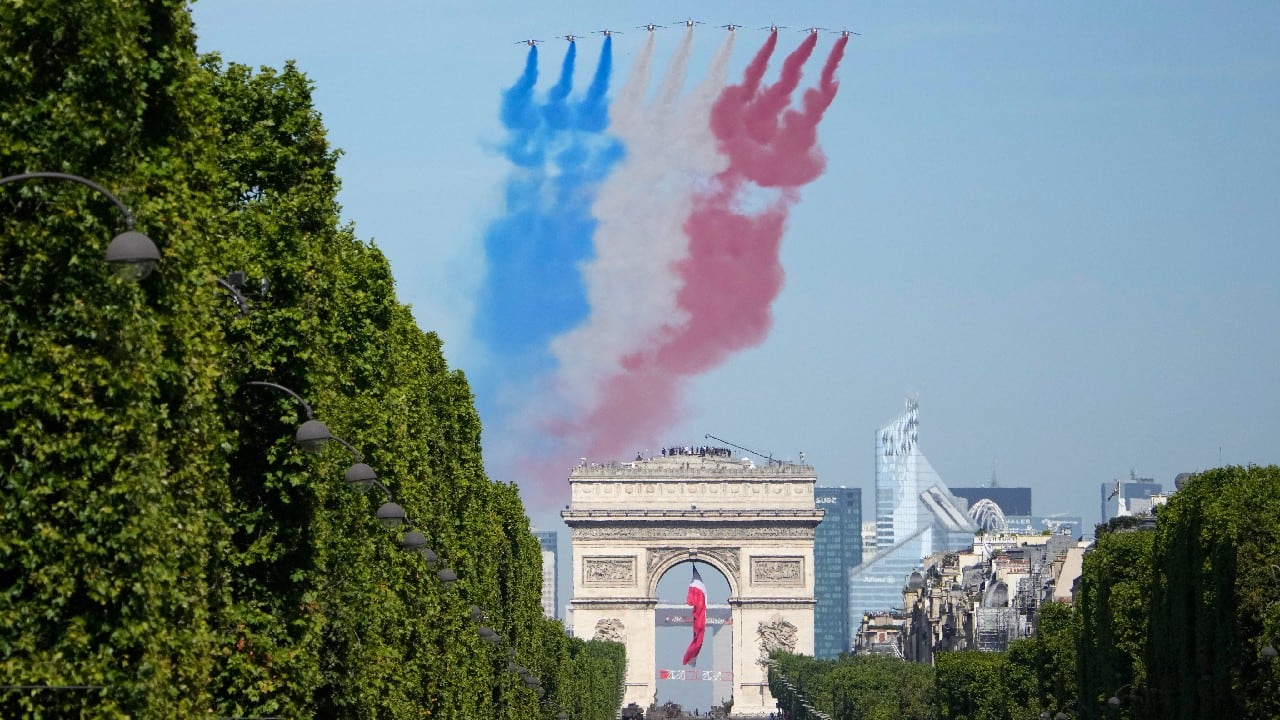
pixel 632 522
pixel 547 540
pixel 868 538
pixel 916 516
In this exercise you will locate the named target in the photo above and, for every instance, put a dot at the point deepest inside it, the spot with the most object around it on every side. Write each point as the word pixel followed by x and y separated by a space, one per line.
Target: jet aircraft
pixel 813 30
pixel 731 27
pixel 774 28
pixel 651 27
pixel 530 42
pixel 607 32
pixel 570 37
pixel 846 33
pixel 690 22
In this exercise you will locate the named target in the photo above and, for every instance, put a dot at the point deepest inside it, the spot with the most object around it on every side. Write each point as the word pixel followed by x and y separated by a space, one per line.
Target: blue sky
pixel 1054 222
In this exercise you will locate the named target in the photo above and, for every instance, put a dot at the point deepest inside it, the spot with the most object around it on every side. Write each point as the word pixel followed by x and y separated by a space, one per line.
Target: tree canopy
pixel 165 547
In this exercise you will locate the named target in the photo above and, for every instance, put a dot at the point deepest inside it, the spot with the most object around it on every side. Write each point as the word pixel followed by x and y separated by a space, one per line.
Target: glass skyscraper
pixel 550 571
pixel 916 516
pixel 837 550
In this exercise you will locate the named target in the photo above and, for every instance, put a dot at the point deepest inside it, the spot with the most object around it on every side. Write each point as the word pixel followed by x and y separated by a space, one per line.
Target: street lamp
pixel 313 435
pixel 391 515
pixel 133 254
pixel 1115 701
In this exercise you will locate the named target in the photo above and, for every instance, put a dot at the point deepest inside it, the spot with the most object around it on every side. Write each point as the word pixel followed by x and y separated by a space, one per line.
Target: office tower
pixel 916 516
pixel 1127 497
pixel 837 549
pixel 550 571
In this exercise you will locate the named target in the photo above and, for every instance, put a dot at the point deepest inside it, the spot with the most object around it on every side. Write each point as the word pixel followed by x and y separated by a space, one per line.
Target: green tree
pixel 110 418
pixel 1217 601
pixel 161 536
pixel 1114 605
pixel 974 685
pixel 1042 668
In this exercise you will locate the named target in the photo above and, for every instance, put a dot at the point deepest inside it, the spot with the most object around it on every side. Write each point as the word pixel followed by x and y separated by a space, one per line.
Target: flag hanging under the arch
pixel 697 597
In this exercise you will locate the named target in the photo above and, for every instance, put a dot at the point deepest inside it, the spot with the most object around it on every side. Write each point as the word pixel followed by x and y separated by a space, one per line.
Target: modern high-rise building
pixel 916 516
pixel 550 571
pixel 1013 501
pixel 837 549
pixel 1127 497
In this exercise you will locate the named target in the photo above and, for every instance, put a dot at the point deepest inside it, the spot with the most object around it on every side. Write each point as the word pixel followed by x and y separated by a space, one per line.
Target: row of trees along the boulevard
pixel 165 548
pixel 1177 621
pixel 1034 674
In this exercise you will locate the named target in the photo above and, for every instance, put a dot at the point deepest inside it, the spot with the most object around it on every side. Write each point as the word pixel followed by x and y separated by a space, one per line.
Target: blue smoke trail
pixel 560 152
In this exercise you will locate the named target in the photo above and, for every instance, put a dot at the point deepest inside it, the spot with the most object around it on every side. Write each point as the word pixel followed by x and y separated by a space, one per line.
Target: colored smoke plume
pixel 732 273
pixel 533 288
pixel 642 207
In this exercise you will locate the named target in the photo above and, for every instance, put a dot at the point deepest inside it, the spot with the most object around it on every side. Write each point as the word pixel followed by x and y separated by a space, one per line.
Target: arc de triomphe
pixel 633 521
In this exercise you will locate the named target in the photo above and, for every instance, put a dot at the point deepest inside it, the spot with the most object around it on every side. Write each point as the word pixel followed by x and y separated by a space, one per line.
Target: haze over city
pixel 1054 224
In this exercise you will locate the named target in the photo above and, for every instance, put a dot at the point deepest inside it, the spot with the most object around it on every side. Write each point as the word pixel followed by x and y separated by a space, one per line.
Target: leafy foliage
pixel 1217 601
pixel 864 687
pixel 160 534
pixel 1115 602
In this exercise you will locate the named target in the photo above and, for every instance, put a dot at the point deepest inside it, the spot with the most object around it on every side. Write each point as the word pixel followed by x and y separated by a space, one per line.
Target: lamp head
pixel 133 255
pixel 312 435
pixel 391 515
pixel 361 477
pixel 414 541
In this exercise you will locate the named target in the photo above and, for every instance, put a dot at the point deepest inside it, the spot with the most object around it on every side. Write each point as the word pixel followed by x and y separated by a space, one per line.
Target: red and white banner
pixel 696 675
pixel 687 619
pixel 696 597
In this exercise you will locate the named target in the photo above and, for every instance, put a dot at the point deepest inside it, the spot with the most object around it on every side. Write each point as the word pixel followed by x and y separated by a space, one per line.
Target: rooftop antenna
pixel 762 456
pixel 995 482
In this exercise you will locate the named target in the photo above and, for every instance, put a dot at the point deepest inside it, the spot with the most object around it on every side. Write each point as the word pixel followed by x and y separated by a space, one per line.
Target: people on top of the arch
pixel 699 450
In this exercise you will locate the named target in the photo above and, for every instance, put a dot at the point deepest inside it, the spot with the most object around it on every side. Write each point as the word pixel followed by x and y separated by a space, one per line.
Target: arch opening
pixel 708 682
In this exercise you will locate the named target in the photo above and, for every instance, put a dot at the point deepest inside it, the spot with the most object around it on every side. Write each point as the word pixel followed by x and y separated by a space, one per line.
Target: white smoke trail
pixel 641 209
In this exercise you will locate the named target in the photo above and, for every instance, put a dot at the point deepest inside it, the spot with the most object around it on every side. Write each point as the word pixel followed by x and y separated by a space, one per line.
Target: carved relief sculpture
pixel 609 571
pixel 774 636
pixel 610 629
pixel 777 571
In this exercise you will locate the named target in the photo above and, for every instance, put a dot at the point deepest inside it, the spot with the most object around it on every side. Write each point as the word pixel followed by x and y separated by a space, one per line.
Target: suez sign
pixel 829 500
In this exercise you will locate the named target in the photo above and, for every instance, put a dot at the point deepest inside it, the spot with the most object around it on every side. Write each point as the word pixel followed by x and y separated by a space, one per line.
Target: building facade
pixel 916 516
pixel 1121 498
pixel 1013 501
pixel 548 539
pixel 837 550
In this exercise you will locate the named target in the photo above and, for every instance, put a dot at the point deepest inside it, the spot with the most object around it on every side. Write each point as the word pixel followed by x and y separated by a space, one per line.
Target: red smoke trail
pixel 732 274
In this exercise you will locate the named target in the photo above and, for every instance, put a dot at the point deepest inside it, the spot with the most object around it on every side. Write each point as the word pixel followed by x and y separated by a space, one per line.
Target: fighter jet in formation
pixel 570 37
pixel 607 32
pixel 690 22
pixel 651 27
pixel 846 33
pixel 774 28
pixel 813 30
pixel 530 42
pixel 731 27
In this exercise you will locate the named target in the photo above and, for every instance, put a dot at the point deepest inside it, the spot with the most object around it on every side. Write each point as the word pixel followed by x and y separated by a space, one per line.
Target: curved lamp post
pixel 133 253
pixel 313 434
pixel 1115 701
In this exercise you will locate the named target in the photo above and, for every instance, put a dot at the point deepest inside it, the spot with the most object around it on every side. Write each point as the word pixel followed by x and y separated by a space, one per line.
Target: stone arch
pixel 661 560
pixel 633 522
